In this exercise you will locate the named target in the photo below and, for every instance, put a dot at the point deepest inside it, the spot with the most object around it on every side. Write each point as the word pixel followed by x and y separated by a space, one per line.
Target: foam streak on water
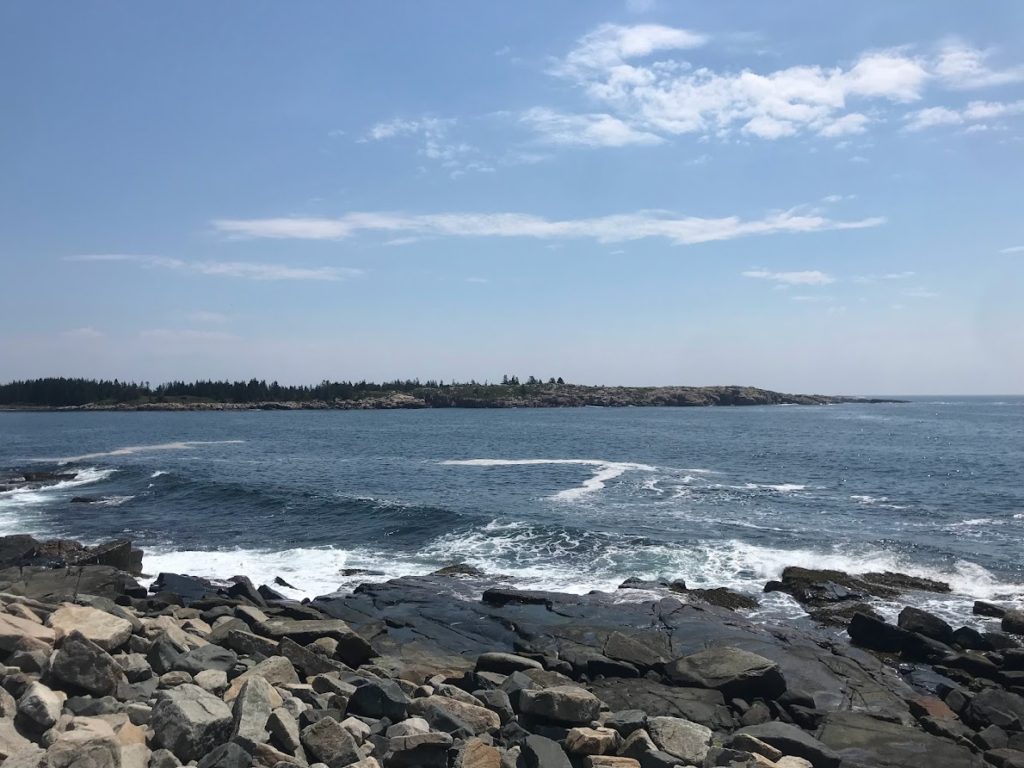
pixel 604 471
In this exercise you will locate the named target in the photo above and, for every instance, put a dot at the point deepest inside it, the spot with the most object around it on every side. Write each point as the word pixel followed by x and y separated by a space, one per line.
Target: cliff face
pixel 501 396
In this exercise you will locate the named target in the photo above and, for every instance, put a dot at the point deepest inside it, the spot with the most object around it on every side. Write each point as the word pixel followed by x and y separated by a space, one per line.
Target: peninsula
pixel 102 395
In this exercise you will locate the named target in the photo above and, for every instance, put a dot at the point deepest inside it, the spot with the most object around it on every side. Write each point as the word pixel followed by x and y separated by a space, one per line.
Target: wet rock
pixel 994 706
pixel 84 665
pixel 725 598
pixel 190 722
pixel 1005 758
pixel 561 704
pixel 733 671
pixel 915 620
pixel 871 632
pixel 1013 622
pixel 982 608
pixel 790 740
pixel 327 742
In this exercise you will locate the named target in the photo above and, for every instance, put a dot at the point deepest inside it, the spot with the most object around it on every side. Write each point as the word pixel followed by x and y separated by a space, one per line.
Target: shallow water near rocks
pixel 567 499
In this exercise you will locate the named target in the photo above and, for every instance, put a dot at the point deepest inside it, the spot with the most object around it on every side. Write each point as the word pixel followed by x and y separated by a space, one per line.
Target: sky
pixel 803 196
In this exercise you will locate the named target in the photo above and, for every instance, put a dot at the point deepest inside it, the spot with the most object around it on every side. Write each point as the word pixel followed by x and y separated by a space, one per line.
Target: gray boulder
pixel 564 704
pixel 84 665
pixel 790 740
pixel 190 722
pixel 680 738
pixel 327 742
pixel 541 752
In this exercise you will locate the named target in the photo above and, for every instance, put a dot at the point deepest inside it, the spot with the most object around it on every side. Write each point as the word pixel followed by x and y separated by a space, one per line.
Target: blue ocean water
pixel 571 499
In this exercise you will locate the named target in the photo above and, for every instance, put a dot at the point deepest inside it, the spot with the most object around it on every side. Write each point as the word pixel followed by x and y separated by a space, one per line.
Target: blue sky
pixel 795 195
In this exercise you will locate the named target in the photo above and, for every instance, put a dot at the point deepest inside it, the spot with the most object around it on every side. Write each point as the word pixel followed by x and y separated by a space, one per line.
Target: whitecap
pixel 604 471
pixel 159 473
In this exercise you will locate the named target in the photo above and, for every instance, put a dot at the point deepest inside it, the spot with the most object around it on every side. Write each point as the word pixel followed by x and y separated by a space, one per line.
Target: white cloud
pixel 617 228
pixel 435 143
pixel 976 112
pixel 240 269
pixel 85 332
pixel 670 96
pixel 807 277
pixel 1013 249
pixel 963 67
pixel 589 130
pixel 610 45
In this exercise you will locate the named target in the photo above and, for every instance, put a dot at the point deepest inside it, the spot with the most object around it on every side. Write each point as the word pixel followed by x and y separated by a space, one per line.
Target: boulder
pixel 190 722
pixel 878 635
pixel 994 706
pixel 915 620
pixel 1013 622
pixel 790 740
pixel 704 706
pixel 475 753
pixel 379 698
pixel 276 670
pixel 733 671
pixel 982 608
pixel 541 752
pixel 477 719
pixel 352 649
pixel 308 662
pixel 14 628
pixel 325 741
pixel 680 738
pixel 11 741
pixel 206 657
pixel 421 750
pixel 87 743
pixel 284 731
pixel 107 631
pixel 85 666
pixel 610 761
pixel 40 705
pixel 592 741
pixel 228 755
pixel 562 704
pixel 255 701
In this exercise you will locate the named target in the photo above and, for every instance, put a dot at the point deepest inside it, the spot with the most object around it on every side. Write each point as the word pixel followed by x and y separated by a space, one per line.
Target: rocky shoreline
pixel 460 669
pixel 538 396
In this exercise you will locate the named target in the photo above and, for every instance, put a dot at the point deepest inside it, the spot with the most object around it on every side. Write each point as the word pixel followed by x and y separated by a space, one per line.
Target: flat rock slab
pixel 700 705
pixel 13 628
pixel 863 741
pixel 109 632
pixel 733 671
pixel 791 740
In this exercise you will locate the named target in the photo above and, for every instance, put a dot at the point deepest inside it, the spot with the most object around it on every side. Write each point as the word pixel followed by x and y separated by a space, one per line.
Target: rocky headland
pixel 539 395
pixel 459 668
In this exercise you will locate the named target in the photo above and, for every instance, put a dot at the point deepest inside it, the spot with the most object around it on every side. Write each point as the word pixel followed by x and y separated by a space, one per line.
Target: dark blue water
pixel 569 499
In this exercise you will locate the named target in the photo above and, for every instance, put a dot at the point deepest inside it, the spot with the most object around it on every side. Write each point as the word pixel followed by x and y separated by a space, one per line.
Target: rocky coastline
pixel 538 396
pixel 460 668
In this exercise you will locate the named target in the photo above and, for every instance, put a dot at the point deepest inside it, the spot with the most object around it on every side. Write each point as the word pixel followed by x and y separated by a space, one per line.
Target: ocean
pixel 561 499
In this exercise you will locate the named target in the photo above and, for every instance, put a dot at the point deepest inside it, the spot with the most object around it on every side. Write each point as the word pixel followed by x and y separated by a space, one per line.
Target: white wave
pixel 111 501
pixel 604 471
pixel 1019 516
pixel 780 487
pixel 877 501
pixel 159 473
pixel 131 450
pixel 26 496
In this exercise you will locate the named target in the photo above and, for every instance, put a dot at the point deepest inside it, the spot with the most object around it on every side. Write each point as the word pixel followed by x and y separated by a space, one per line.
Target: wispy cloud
pixel 587 130
pixel 433 135
pixel 240 269
pixel 961 66
pixel 806 277
pixel 886 276
pixel 920 293
pixel 976 114
pixel 1013 249
pixel 680 230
